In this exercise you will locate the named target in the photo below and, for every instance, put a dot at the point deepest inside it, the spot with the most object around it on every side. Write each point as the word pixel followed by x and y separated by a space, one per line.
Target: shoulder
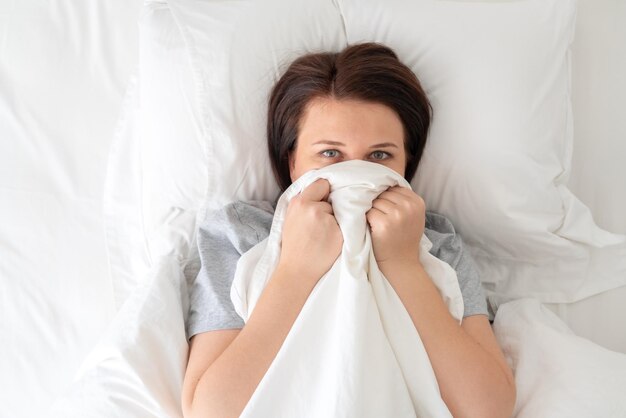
pixel 244 224
pixel 448 246
pixel 250 213
pixel 438 222
pixel 447 243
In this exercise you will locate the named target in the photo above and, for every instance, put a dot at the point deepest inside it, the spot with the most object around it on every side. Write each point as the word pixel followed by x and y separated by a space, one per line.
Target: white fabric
pixel 598 95
pixel 156 171
pixel 174 154
pixel 137 368
pixel 363 354
pixel 64 67
pixel 558 374
pixel 126 241
pixel 607 309
pixel 236 50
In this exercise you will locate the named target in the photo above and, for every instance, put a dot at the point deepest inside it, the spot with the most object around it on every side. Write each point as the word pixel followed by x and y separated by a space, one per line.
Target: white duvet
pixel 558 374
pixel 353 351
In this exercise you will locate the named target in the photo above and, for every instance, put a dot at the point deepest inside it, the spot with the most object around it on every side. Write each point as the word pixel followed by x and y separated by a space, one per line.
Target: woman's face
pixel 332 131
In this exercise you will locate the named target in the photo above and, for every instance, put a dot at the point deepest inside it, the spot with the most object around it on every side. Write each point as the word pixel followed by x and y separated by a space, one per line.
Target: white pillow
pixel 558 374
pixel 174 152
pixel 156 173
pixel 499 151
pixel 237 50
pixel 121 203
pixel 498 156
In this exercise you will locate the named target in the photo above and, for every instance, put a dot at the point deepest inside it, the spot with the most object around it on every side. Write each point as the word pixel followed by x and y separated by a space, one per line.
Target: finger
pixel 405 191
pixel 373 216
pixel 400 195
pixel 383 205
pixel 316 191
pixel 393 195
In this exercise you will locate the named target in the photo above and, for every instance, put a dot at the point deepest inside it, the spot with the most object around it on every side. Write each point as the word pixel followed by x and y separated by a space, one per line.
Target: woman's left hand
pixel 397 220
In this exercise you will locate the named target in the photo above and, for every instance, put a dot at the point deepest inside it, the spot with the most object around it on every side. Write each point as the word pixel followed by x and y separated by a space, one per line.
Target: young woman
pixel 360 103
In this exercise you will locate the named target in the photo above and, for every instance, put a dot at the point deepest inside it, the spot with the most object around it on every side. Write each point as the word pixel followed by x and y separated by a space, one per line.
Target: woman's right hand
pixel 311 237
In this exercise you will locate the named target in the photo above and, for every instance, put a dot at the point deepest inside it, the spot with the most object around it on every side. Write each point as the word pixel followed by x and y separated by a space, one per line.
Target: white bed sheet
pixel 598 170
pixel 598 98
pixel 64 67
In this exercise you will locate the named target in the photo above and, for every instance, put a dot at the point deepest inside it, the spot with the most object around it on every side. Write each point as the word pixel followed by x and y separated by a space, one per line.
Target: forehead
pixel 349 121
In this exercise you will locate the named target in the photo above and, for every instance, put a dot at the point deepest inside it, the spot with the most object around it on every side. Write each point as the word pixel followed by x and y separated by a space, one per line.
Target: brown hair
pixel 369 72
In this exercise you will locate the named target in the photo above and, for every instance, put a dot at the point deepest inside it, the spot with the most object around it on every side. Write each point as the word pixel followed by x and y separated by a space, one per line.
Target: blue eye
pixel 380 155
pixel 330 153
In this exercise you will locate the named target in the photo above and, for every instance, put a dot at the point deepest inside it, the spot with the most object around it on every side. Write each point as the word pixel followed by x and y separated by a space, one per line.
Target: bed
pixel 95 97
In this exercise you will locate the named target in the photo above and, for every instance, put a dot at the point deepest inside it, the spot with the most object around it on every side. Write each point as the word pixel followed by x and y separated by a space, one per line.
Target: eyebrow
pixel 341 144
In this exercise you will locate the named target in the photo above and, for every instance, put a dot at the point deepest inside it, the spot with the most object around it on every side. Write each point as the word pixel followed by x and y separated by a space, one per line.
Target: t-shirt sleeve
pixel 223 236
pixel 448 246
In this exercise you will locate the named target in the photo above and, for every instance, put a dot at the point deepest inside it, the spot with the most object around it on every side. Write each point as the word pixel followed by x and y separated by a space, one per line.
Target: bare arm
pixel 473 376
pixel 204 348
pixel 310 232
pixel 228 384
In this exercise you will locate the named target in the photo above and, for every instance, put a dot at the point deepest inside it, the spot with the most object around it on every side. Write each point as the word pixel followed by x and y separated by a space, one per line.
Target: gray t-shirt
pixel 226 234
